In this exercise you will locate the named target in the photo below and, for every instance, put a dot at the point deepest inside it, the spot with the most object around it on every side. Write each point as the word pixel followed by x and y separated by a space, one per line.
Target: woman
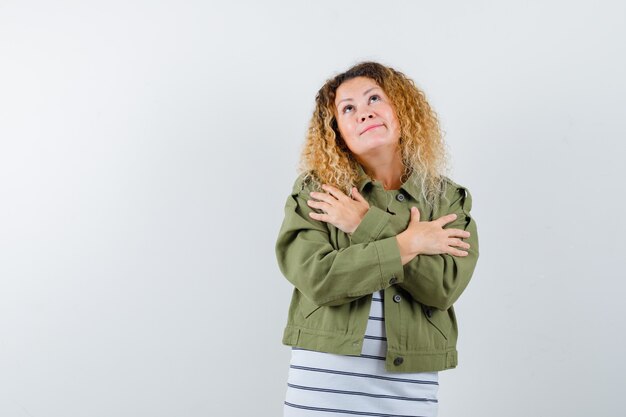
pixel 378 244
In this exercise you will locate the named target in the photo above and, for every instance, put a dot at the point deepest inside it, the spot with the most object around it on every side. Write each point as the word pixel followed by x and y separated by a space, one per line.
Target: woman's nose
pixel 365 115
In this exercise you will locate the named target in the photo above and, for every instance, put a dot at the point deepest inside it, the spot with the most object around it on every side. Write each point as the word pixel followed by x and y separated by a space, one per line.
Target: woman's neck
pixel 386 171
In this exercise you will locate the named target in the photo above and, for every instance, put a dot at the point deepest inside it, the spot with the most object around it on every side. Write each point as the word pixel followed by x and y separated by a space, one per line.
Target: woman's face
pixel 366 118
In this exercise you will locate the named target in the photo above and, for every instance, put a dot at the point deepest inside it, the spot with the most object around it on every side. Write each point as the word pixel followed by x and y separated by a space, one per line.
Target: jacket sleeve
pixel 326 275
pixel 433 280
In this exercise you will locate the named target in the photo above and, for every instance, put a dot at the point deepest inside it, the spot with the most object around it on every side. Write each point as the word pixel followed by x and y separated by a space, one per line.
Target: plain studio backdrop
pixel 147 150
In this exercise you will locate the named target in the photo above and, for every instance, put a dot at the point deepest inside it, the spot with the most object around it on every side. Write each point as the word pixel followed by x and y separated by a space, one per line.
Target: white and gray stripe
pixel 329 385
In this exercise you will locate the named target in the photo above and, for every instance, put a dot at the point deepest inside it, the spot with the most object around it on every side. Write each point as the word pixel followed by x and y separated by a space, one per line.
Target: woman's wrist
pixel 404 245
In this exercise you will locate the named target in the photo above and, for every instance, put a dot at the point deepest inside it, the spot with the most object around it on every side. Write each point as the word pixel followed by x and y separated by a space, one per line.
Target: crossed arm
pixel 330 276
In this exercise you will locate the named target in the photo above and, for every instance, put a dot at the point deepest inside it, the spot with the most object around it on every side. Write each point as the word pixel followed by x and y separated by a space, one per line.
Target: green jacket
pixel 335 274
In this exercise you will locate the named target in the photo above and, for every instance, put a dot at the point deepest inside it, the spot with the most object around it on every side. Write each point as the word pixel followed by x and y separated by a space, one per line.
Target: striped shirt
pixel 329 385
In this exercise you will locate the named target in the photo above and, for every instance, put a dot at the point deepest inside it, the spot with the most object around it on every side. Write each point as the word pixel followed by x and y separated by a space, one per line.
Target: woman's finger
pixel 335 192
pixel 323 197
pixel 319 216
pixel 443 220
pixel 319 205
pixel 357 196
pixel 458 243
pixel 455 251
pixel 460 233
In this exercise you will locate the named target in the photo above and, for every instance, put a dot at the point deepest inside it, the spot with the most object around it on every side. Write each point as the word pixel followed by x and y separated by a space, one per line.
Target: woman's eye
pixel 348 107
pixel 375 97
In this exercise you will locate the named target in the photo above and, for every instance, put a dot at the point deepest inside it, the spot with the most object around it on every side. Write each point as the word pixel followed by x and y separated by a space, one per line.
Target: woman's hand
pixel 430 238
pixel 341 211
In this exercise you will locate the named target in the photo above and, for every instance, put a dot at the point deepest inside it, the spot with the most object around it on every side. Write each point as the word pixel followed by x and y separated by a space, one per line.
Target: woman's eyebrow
pixel 349 99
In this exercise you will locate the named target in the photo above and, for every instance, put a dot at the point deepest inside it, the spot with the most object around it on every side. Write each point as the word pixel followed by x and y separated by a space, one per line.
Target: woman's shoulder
pixel 453 186
pixel 304 183
pixel 455 191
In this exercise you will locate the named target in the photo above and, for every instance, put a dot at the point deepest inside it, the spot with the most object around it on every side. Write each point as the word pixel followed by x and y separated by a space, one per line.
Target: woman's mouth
pixel 371 127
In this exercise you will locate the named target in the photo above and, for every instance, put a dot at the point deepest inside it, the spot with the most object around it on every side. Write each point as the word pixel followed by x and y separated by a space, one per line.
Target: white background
pixel 147 149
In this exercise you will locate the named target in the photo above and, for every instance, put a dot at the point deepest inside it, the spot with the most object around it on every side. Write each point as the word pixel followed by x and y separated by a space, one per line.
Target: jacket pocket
pixel 439 319
pixel 307 307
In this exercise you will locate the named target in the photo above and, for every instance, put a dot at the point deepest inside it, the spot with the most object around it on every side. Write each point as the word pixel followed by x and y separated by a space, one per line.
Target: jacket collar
pixel 409 185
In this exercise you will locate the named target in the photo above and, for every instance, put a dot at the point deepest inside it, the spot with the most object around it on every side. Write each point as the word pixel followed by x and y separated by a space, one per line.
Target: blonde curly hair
pixel 326 159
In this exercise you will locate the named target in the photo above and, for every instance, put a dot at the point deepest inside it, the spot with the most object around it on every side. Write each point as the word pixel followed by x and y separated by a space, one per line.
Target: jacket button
pixel 393 280
pixel 429 312
pixel 398 361
pixel 397 298
pixel 400 197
